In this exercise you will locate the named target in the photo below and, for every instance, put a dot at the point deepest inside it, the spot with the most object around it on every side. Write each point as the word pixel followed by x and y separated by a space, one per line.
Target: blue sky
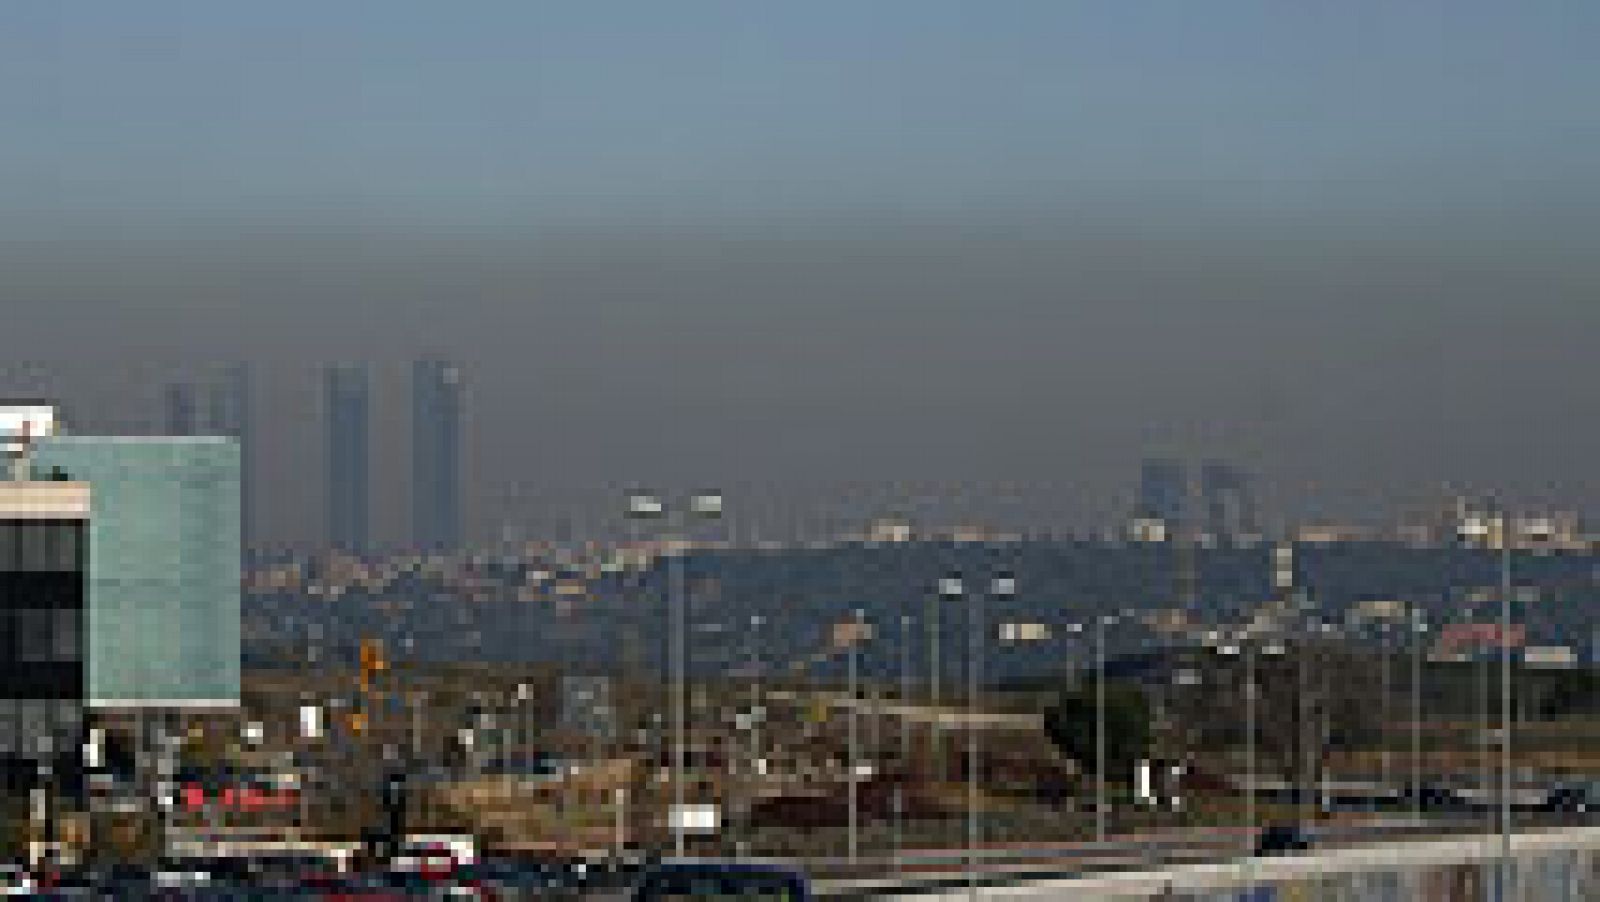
pixel 487 107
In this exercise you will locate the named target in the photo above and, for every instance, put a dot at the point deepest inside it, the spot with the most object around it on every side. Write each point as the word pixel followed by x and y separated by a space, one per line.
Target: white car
pixel 14 881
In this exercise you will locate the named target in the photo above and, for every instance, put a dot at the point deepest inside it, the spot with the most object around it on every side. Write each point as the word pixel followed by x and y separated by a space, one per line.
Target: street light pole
pixel 1504 871
pixel 1418 629
pixel 905 735
pixel 1302 733
pixel 675 586
pixel 975 614
pixel 646 506
pixel 1250 743
pixel 853 762
pixel 1100 728
pixel 949 587
pixel 1384 758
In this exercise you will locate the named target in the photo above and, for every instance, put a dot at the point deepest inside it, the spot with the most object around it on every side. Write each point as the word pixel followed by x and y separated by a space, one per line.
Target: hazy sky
pixel 781 244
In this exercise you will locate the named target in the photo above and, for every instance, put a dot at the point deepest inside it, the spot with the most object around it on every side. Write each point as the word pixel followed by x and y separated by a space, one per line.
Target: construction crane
pixel 372 663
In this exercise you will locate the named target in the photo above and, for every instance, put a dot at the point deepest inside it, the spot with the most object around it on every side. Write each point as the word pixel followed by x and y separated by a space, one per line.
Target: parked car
pixel 1281 839
pixel 1572 798
pixel 719 880
pixel 14 881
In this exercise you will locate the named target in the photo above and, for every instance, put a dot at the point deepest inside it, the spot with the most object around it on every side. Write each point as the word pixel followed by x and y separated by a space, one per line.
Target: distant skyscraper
pixel 1163 492
pixel 230 415
pixel 347 406
pixel 1229 505
pixel 435 455
pixel 178 408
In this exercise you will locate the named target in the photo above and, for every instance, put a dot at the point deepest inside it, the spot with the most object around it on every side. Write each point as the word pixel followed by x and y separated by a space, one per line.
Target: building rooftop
pixel 44 500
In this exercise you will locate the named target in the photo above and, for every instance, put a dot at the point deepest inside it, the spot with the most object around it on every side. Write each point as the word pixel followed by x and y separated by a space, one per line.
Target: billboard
pixel 20 422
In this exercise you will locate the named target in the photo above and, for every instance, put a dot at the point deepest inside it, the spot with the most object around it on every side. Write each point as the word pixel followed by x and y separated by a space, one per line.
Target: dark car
pixel 711 880
pixel 1281 839
pixel 1571 798
pixel 1431 796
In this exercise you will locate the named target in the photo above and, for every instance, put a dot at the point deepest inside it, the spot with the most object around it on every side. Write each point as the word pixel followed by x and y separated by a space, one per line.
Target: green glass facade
pixel 162 615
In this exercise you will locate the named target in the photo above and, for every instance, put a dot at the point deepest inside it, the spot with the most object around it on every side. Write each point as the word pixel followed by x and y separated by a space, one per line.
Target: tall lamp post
pixel 1384 757
pixel 949 589
pixel 1100 625
pixel 853 775
pixel 1001 586
pixel 705 506
pixel 1419 629
pixel 1503 872
pixel 905 737
pixel 1247 647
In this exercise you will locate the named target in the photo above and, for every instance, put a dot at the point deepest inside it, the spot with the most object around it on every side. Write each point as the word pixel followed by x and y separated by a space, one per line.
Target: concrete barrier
pixel 1559 864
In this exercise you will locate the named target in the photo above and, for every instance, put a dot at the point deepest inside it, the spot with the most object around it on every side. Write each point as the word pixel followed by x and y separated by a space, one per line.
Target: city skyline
pixel 665 449
pixel 1351 252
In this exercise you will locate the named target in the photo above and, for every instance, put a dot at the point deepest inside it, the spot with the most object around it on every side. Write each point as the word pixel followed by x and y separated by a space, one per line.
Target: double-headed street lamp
pixel 703 506
pixel 1100 624
pixel 1252 699
pixel 1100 801
pixel 952 587
pixel 1503 872
pixel 1419 630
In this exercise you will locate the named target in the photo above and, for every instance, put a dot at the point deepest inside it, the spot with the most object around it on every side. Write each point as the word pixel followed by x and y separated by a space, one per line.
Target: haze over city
pixel 826 244
pixel 625 449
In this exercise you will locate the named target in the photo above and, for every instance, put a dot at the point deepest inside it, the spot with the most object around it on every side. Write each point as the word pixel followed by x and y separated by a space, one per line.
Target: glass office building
pixel 163 566
pixel 42 593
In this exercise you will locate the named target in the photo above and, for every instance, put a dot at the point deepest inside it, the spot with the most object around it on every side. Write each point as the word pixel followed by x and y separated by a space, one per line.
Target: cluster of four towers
pixel 347 406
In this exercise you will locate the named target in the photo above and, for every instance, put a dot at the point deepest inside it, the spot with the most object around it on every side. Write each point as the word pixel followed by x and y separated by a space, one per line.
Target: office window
pixel 66 718
pixel 66 636
pixel 33 726
pixel 67 547
pixel 48 546
pixel 9 535
pixel 8 727
pixel 36 550
pixel 33 627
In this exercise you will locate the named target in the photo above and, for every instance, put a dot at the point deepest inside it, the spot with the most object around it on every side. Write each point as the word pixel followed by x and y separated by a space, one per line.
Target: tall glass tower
pixel 348 474
pixel 230 415
pixel 435 455
pixel 179 410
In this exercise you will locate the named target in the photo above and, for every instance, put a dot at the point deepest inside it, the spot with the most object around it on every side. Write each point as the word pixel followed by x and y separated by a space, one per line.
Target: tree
pixel 1072 723
pixel 1314 696
pixel 1568 694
